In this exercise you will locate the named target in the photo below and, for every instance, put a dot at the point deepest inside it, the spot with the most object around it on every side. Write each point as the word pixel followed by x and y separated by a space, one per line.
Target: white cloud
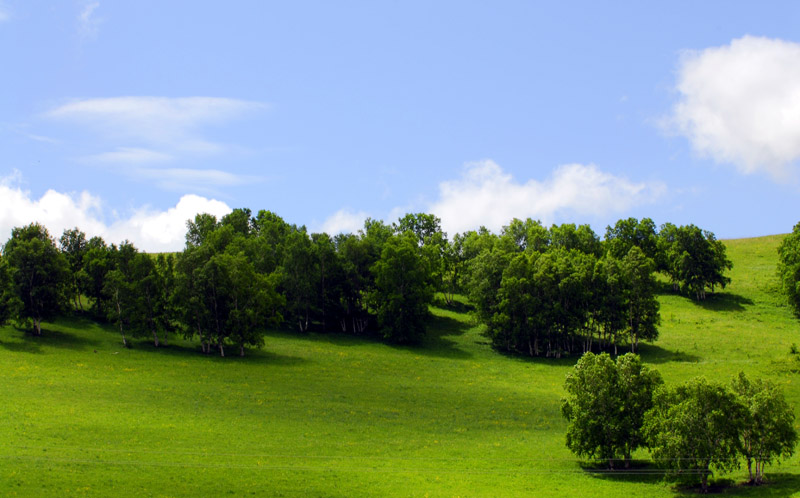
pixel 740 104
pixel 4 14
pixel 163 125
pixel 88 24
pixel 183 179
pixel 486 195
pixel 149 229
pixel 129 155
pixel 344 221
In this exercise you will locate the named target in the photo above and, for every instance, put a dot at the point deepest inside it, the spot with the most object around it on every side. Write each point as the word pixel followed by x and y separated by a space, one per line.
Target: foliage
pixel 789 268
pixel 74 246
pixel 38 275
pixel 403 289
pixel 605 406
pixel 768 432
pixel 693 258
pixel 695 428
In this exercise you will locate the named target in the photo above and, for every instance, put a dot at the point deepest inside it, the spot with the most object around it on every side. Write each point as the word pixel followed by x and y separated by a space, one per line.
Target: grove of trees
pixel 540 291
pixel 613 407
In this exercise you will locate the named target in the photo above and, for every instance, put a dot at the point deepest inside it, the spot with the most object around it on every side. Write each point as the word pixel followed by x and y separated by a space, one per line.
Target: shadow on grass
pixel 184 350
pixel 435 343
pixel 652 353
pixel 714 301
pixel 643 471
pixel 724 301
pixel 28 343
pixel 777 486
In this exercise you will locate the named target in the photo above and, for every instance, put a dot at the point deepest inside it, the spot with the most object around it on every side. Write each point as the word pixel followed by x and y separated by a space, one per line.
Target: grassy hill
pixel 331 415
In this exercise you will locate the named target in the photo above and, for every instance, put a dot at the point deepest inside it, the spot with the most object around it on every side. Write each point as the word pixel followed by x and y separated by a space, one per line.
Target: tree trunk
pixel 241 350
pixel 221 349
pixel 155 338
pixel 750 470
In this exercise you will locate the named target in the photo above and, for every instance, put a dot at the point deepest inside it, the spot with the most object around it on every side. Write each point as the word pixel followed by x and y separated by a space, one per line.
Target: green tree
pixel 695 428
pixel 768 433
pixel 789 268
pixel 403 289
pixel 97 261
pixel 74 246
pixel 640 297
pixel 38 274
pixel 632 232
pixel 119 288
pixel 605 406
pixel 694 259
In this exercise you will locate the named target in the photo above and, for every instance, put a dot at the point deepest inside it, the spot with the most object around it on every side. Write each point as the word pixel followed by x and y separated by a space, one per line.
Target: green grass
pixel 332 415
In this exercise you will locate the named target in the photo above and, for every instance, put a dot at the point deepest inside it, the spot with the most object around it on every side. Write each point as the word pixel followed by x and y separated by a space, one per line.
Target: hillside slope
pixel 331 415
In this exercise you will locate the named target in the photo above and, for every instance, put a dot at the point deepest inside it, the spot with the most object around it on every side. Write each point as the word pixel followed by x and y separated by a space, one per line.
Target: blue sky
pixel 126 118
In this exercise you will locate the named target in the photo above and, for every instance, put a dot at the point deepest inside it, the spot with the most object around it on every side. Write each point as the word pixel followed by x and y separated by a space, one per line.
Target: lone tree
pixel 768 432
pixel 694 428
pixel 605 406
pixel 38 276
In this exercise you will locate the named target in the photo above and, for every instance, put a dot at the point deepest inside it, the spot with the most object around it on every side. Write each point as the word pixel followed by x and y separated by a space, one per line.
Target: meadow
pixel 336 415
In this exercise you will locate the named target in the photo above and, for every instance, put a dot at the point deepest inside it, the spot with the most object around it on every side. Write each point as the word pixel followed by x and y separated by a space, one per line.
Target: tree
pixel 640 297
pixel 768 433
pixel 120 289
pixel 5 292
pixel 38 274
pixel 403 289
pixel 74 246
pixel 695 428
pixel 694 259
pixel 97 262
pixel 789 268
pixel 632 232
pixel 605 406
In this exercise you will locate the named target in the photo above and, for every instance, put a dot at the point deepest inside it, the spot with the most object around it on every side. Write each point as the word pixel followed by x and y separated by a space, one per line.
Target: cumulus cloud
pixel 740 104
pixel 344 221
pixel 149 229
pixel 486 195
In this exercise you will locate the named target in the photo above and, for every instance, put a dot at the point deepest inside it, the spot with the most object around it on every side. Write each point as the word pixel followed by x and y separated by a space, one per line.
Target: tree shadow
pixel 251 355
pixel 646 471
pixel 437 342
pixel 28 343
pixel 725 301
pixel 656 354
pixel 641 471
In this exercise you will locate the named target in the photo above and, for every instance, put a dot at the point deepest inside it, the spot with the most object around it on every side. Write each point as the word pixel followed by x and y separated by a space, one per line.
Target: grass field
pixel 331 415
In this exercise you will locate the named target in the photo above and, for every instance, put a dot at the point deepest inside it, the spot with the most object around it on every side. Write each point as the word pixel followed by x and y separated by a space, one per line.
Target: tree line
pixel 614 407
pixel 540 291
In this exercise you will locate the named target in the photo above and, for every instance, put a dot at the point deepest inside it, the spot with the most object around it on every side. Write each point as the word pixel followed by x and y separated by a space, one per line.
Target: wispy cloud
pixel 4 13
pixel 149 229
pixel 186 179
pixel 129 155
pixel 88 23
pixel 148 129
pixel 486 195
pixel 740 104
